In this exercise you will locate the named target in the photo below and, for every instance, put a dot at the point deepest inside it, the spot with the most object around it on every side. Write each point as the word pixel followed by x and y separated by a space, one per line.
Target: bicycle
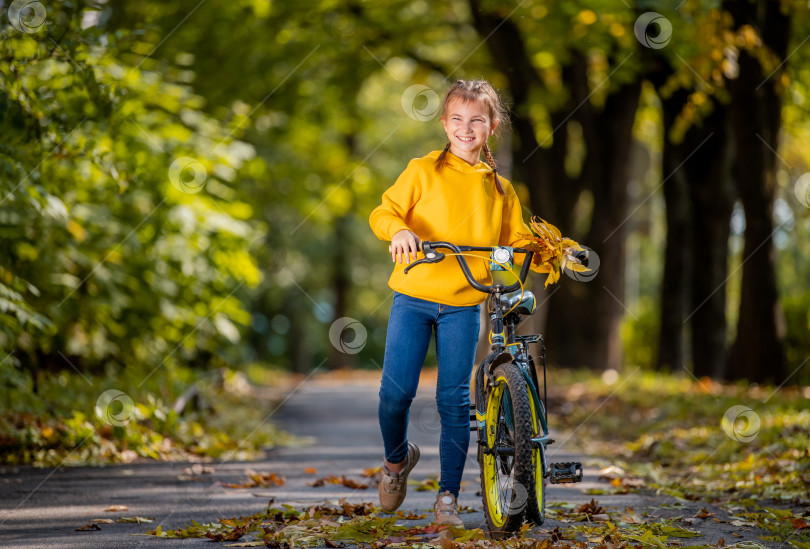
pixel 507 413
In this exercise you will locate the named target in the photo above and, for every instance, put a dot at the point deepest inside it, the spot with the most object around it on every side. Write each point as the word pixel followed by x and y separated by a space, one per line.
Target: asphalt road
pixel 43 507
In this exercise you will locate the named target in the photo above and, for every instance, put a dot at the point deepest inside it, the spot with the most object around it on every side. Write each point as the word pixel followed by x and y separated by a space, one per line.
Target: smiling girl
pixel 448 195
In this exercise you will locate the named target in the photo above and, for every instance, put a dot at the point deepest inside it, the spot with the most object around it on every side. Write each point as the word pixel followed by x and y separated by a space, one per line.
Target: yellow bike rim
pixel 490 467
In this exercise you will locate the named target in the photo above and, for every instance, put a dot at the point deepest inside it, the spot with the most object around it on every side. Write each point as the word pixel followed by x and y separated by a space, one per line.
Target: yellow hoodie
pixel 461 205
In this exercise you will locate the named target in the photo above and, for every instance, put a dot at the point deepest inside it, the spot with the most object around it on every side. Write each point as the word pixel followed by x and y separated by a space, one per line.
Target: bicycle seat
pixel 524 306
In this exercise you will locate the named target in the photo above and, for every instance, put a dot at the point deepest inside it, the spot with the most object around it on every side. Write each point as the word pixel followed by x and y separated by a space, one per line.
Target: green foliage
pixel 797 322
pixel 110 269
pixel 639 331
pixel 72 426
pixel 108 256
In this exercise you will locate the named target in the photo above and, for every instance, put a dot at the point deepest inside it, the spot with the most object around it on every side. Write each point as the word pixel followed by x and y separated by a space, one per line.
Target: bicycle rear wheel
pixel 507 468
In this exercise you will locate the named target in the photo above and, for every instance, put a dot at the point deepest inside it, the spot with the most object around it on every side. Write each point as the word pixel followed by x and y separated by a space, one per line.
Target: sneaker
pixel 446 510
pixel 393 486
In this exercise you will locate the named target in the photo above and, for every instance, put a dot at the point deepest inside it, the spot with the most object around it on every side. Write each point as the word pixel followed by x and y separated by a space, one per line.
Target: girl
pixel 447 195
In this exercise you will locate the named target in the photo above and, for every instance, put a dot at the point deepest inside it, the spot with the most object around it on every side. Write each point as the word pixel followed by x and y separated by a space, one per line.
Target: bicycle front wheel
pixel 535 508
pixel 507 468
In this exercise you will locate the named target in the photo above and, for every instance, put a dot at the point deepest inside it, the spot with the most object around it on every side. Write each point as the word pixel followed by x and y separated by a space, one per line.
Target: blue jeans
pixel 410 327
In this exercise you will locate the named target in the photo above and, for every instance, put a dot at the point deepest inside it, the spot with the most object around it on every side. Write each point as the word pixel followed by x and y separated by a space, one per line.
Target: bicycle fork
pixel 557 473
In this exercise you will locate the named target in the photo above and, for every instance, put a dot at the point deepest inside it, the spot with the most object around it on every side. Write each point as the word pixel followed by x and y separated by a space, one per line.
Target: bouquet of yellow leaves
pixel 552 252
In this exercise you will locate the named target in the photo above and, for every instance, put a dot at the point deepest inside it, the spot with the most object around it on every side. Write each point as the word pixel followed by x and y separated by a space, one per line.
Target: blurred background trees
pixel 186 185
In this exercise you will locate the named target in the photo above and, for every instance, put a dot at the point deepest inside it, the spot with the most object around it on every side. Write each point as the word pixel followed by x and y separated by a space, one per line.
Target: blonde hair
pixel 477 91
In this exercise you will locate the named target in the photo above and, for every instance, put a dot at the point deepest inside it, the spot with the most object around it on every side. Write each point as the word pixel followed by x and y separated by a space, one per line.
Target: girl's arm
pixel 513 225
pixel 388 218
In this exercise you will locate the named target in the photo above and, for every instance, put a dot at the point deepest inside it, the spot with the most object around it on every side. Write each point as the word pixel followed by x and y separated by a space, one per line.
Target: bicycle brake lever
pixel 431 256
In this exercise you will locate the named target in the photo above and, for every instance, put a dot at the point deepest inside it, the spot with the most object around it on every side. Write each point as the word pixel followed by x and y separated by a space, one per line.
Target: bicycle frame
pixel 509 347
pixel 506 345
pixel 512 438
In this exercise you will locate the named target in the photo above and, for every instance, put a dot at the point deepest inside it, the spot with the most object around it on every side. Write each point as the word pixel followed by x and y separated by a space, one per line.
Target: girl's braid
pixel 442 159
pixel 491 162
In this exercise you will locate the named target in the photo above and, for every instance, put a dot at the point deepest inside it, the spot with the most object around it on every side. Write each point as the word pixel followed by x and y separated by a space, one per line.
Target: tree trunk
pixel 300 353
pixel 610 150
pixel 340 281
pixel 710 192
pixel 758 353
pixel 677 260
pixel 583 318
pixel 697 191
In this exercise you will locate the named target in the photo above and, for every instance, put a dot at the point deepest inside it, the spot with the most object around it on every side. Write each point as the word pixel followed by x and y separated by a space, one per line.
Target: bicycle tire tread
pixel 523 466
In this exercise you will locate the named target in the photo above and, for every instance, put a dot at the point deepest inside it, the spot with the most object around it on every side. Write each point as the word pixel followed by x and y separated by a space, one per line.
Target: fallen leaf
pixel 311 471
pixel 323 481
pixel 198 469
pixel 238 530
pixel 332 479
pixel 612 472
pixel 373 472
pixel 277 544
pixel 102 520
pixel 430 484
pixel 88 526
pixel 703 513
pixel 258 480
pixel 591 508
pixel 354 485
pixel 411 516
pixel 799 524
pixel 116 508
pixel 137 519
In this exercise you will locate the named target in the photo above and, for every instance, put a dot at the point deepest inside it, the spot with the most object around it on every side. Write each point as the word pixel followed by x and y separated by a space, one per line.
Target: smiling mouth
pixel 465 139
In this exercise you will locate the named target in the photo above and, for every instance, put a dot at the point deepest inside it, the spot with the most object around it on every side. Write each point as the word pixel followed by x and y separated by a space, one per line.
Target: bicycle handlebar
pixel 432 256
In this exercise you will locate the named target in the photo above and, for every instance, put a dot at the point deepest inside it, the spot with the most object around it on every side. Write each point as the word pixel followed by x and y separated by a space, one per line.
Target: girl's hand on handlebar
pixel 405 243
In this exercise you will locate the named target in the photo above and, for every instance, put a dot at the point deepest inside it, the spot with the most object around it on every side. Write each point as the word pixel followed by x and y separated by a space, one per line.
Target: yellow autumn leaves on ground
pixel 553 252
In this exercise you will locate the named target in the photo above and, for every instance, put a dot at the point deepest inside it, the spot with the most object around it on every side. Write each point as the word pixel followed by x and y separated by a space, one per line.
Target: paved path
pixel 42 507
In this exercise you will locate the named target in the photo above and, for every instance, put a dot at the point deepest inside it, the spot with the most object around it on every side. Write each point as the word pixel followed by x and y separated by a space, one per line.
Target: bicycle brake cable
pixel 505 268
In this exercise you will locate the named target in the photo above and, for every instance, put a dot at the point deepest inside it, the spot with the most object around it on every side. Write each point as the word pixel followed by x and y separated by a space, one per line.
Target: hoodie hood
pixel 461 165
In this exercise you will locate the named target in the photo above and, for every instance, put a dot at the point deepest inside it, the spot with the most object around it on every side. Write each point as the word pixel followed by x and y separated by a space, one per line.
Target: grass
pixel 691 439
pixel 80 420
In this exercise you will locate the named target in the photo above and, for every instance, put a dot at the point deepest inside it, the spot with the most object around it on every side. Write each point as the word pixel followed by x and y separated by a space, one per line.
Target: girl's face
pixel 468 126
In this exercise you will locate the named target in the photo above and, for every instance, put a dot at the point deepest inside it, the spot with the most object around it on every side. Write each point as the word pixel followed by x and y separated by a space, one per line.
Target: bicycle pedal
pixel 566 472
